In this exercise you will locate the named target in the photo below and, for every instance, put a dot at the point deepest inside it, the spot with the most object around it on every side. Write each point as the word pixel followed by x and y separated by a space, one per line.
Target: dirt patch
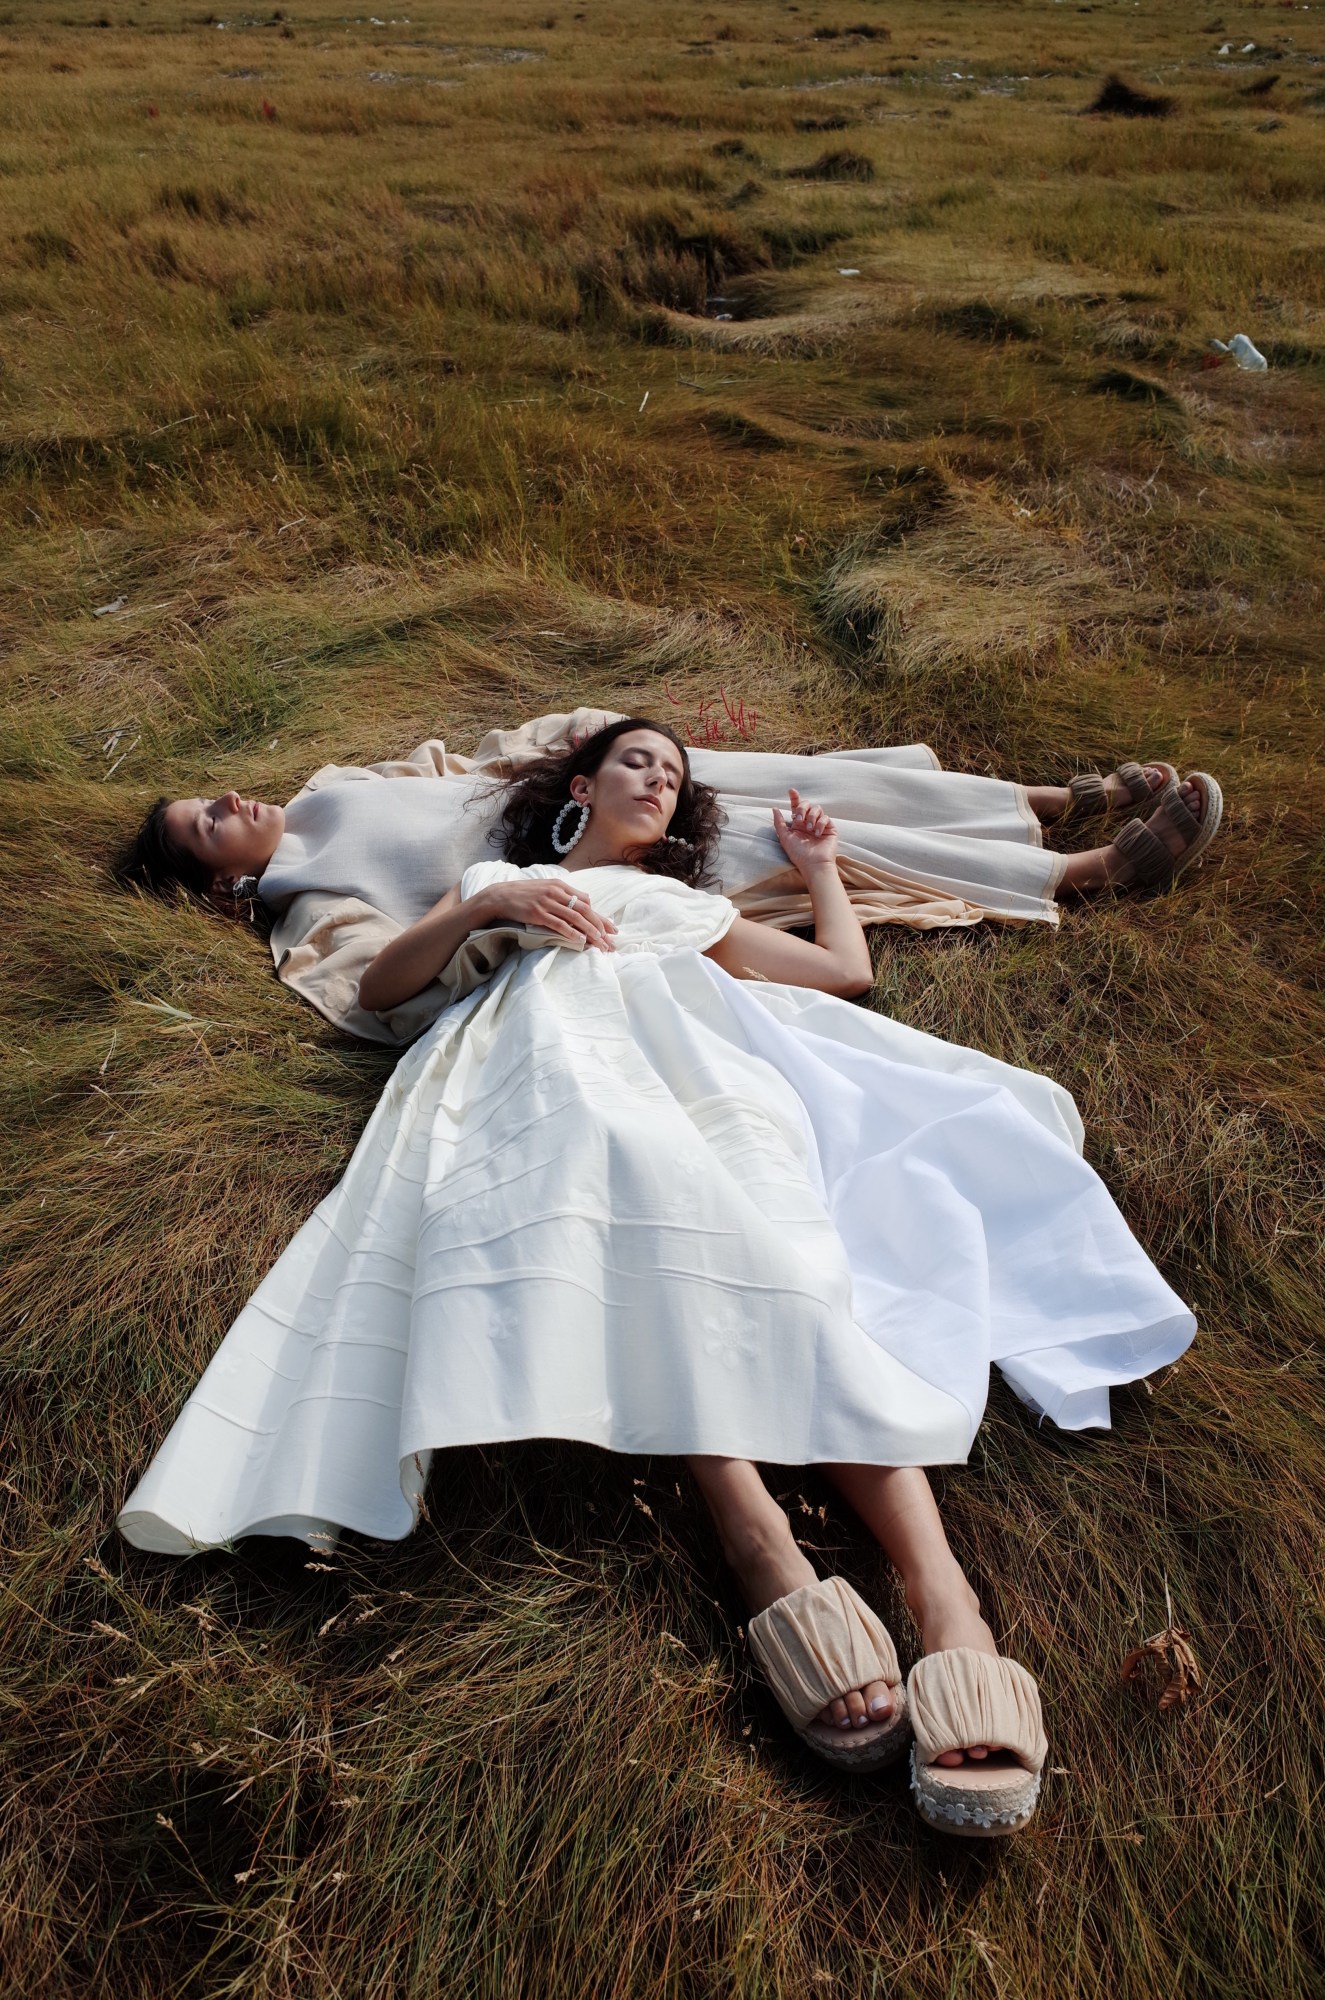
pixel 840 165
pixel 1119 99
pixel 978 319
pixel 1132 388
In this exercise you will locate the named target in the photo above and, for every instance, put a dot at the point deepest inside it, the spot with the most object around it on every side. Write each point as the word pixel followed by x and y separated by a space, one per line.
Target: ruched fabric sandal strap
pixel 817 1643
pixel 1137 783
pixel 960 1699
pixel 1087 796
pixel 1153 865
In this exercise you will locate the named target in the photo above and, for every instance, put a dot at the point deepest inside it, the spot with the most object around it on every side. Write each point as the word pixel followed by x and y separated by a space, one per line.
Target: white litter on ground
pixel 1242 351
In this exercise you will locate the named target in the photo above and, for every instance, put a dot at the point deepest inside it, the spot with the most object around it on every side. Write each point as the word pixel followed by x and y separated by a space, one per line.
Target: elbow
pixel 371 997
pixel 855 982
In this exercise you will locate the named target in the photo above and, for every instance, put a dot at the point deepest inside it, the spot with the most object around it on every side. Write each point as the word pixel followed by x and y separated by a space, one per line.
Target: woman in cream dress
pixel 650 1183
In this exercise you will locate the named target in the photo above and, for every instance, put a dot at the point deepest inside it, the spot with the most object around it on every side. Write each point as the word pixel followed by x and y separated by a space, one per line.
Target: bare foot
pixel 950 1616
pixel 1119 796
pixel 769 1565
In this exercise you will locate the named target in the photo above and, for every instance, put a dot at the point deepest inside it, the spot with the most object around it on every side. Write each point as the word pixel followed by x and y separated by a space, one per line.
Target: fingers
pixel 811 822
pixel 575 915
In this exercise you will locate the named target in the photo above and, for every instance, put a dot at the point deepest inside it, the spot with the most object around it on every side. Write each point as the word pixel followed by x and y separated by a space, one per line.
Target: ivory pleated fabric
pixel 628 1199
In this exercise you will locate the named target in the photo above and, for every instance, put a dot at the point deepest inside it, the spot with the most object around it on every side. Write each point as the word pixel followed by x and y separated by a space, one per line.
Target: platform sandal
pixel 1154 866
pixel 962 1697
pixel 1089 796
pixel 817 1643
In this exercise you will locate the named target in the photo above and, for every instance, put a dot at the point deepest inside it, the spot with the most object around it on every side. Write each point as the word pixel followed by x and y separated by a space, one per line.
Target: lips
pixel 651 801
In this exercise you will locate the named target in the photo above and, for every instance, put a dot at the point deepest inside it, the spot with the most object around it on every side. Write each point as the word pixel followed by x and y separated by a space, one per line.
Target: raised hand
pixel 808 837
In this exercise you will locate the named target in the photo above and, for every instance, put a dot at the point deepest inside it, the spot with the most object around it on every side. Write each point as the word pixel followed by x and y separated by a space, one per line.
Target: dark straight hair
pixel 153 861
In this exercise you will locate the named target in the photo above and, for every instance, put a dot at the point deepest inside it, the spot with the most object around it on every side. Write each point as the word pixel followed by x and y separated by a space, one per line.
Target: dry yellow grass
pixel 325 343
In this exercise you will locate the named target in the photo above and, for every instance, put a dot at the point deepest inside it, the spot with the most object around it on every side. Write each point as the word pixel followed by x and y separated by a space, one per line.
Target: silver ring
pixel 573 901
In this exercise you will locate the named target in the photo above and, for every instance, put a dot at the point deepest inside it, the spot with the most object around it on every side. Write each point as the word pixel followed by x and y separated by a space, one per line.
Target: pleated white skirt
pixel 630 1200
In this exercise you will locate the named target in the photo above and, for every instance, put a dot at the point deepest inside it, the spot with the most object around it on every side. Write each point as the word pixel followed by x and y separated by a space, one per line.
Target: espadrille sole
pixel 974 1801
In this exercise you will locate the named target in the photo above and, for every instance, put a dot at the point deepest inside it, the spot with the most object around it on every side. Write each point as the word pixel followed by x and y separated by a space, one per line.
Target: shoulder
pixel 482 874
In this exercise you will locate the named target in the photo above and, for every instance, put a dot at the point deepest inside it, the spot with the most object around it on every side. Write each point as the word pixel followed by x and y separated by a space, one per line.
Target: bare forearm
pixel 413 960
pixel 837 928
pixel 838 961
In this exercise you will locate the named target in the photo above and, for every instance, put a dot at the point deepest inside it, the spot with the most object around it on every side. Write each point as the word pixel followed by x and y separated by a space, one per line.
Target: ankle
pixel 940 1594
pixel 751 1541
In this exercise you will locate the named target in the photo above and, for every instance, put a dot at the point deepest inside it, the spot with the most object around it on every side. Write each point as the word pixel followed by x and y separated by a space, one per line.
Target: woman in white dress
pixel 650 1183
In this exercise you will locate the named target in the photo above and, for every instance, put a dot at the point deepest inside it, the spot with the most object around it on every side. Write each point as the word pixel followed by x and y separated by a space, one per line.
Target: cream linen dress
pixel 628 1199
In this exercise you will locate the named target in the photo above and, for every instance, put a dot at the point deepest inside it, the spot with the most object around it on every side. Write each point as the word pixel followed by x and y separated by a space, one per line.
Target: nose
pixel 231 801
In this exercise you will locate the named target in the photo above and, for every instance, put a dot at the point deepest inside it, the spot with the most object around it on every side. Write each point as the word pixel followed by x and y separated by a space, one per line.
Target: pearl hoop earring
pixel 565 846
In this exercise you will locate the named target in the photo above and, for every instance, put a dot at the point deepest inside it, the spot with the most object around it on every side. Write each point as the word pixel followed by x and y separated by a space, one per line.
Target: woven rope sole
pixel 969 1800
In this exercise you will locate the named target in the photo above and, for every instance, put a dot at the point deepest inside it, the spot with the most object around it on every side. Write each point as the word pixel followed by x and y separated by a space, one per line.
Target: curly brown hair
pixel 534 798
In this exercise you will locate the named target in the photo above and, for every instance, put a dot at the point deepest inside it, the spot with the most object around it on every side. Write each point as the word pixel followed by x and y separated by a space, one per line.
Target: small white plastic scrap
pixel 1242 351
pixel 104 610
pixel 1225 49
pixel 1247 48
pixel 847 271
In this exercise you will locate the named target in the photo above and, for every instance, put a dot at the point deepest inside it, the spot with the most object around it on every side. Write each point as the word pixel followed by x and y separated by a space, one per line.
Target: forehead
pixel 658 745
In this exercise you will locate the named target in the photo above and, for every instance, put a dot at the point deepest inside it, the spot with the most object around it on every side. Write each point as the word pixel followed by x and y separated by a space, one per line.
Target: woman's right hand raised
pixel 550 903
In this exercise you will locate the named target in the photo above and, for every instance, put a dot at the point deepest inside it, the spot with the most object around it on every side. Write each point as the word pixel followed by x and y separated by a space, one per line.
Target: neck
pixel 599 848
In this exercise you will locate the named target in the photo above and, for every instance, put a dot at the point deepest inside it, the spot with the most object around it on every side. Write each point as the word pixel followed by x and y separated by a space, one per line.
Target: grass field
pixel 376 366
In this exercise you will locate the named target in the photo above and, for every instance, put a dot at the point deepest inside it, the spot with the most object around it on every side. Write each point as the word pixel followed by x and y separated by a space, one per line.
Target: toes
pixel 878 1701
pixel 861 1706
pixel 975 1753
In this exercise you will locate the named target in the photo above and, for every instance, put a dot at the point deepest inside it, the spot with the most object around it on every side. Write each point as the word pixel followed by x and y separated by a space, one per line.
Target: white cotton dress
pixel 629 1199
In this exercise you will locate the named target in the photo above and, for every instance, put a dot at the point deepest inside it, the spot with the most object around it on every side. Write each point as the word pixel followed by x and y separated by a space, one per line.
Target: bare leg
pixel 1047 802
pixel 758 1543
pixel 897 1505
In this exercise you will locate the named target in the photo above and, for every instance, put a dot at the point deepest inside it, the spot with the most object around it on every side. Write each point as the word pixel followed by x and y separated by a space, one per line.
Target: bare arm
pixel 838 961
pixel 411 961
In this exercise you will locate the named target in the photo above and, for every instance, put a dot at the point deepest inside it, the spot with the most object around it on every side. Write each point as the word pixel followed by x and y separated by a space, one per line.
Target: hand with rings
pixel 550 903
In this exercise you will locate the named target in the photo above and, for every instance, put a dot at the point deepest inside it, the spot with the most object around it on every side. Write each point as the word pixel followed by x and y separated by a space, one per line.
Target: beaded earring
pixel 565 846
